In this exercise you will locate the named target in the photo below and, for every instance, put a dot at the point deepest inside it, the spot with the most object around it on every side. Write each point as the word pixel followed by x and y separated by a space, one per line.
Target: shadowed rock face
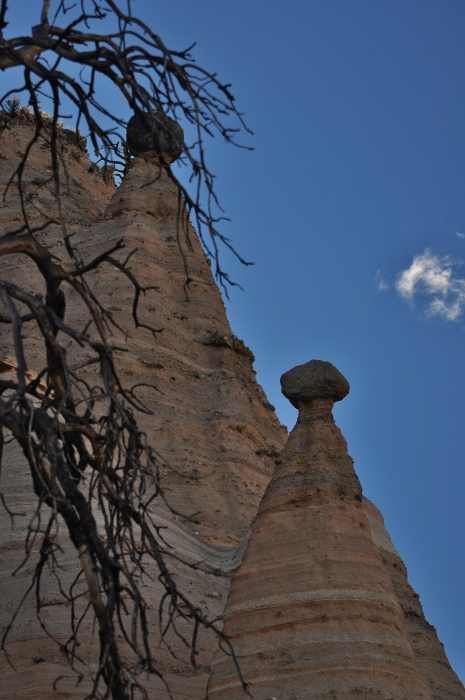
pixel 424 641
pixel 313 611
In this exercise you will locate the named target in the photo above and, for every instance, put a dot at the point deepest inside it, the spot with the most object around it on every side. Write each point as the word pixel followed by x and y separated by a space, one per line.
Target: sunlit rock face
pixel 313 611
pixel 211 424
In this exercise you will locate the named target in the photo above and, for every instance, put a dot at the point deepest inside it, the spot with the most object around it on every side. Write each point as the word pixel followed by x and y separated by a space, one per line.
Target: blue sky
pixel 358 169
pixel 352 207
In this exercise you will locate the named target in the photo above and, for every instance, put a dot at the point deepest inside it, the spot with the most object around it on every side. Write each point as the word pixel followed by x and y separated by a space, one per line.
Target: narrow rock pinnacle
pixel 312 612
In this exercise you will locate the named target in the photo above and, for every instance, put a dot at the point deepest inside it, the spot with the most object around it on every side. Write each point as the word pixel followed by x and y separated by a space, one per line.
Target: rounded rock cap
pixel 155 134
pixel 316 379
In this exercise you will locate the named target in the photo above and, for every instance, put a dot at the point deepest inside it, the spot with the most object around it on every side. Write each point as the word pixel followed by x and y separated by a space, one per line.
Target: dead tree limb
pixel 83 446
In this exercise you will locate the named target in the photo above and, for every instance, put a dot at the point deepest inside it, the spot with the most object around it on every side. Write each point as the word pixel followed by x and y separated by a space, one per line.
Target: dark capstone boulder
pixel 155 135
pixel 314 380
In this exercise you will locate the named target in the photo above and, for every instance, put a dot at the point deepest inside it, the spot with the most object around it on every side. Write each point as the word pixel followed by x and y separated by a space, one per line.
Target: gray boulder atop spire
pixel 316 379
pixel 155 135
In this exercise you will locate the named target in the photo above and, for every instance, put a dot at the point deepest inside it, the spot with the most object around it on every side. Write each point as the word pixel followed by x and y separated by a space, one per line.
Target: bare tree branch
pixel 91 466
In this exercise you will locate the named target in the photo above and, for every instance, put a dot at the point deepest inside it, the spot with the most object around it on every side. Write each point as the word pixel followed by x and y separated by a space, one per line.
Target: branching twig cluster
pixel 65 60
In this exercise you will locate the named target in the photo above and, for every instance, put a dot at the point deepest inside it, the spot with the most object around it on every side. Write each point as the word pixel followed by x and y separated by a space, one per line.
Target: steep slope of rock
pixel 313 611
pixel 429 651
pixel 211 423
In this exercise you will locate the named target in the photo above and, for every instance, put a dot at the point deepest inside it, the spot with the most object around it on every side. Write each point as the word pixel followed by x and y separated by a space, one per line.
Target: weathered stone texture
pixel 314 380
pixel 212 423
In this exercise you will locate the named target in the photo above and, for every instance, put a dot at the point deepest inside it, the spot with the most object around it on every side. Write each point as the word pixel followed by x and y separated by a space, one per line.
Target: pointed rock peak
pixel 312 611
pixel 147 189
pixel 316 379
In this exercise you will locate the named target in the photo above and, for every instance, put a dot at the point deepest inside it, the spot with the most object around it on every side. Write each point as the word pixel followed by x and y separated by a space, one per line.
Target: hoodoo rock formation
pixel 212 423
pixel 313 611
pixel 320 606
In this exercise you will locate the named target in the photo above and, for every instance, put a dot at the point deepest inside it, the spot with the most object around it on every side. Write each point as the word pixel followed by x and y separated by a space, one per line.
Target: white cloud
pixel 430 278
pixel 380 282
pixel 459 235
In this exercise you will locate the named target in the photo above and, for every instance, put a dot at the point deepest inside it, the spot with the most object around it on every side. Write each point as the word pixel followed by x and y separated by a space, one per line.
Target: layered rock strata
pixel 314 612
pixel 429 652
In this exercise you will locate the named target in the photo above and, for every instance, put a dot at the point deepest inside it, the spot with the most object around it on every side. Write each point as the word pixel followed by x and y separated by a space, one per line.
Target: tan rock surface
pixel 204 382
pixel 37 659
pixel 212 424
